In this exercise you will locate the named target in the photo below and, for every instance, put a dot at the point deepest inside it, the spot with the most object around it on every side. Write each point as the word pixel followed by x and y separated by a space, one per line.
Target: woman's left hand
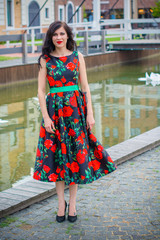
pixel 90 121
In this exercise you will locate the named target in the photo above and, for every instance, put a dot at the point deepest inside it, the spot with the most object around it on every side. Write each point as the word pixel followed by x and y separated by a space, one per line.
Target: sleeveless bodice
pixel 62 71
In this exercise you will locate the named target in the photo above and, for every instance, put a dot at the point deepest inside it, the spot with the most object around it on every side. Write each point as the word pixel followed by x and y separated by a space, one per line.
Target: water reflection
pixel 123 108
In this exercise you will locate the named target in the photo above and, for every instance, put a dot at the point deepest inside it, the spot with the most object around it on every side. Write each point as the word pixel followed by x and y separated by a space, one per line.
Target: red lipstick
pixel 59 42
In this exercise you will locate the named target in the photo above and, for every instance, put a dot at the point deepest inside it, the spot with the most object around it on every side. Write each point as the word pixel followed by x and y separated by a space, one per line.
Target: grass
pixel 69 228
pixel 7 221
pixel 3 58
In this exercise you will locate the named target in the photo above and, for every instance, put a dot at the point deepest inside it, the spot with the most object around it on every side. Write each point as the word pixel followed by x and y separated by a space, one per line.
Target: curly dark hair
pixel 48 45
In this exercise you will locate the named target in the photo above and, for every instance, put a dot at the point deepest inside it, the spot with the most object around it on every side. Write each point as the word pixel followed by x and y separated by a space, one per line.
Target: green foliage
pixel 7 221
pixel 5 58
pixel 156 10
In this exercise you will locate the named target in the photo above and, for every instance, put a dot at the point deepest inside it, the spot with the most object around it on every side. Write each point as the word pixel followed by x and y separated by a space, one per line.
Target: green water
pixel 123 108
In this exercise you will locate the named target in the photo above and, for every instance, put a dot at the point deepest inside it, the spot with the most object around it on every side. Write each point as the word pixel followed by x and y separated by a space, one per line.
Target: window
pixel 61 13
pixel 78 15
pixel 70 13
pixel 9 4
pixel 107 132
pixel 46 12
pixel 115 132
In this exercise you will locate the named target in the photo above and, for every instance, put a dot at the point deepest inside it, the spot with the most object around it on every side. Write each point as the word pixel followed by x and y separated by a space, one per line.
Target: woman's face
pixel 59 38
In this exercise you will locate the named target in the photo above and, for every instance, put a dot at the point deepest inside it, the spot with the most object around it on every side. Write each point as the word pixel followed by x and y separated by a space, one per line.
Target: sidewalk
pixel 122 205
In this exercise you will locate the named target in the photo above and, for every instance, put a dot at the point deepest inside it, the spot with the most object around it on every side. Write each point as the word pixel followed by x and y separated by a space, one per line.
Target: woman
pixel 68 153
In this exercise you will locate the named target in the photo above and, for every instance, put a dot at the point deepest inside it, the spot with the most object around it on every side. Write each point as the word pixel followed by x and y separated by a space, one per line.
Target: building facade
pixel 20 13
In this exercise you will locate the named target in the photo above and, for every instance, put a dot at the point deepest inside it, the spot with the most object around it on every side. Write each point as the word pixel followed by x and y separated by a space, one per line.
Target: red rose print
pixel 83 134
pixel 73 101
pixel 60 112
pixel 58 170
pixel 38 154
pixel 106 171
pixel 58 84
pixel 69 84
pixel 71 132
pixel 63 59
pixel 100 148
pixel 96 165
pixel 53 66
pixel 46 168
pixel 54 116
pixel 52 94
pixel 76 120
pixel 63 148
pixel 80 157
pixel 60 94
pixel 67 111
pixel 68 165
pixel 42 132
pixel 50 80
pixel 75 60
pixel 53 177
pixel 77 93
pixel 80 139
pixel 72 183
pixel 65 128
pixel 90 164
pixel 71 66
pixel 82 177
pixel 62 173
pixel 47 58
pixel 56 119
pixel 63 79
pixel 93 138
pixel 48 143
pixel 110 159
pixel 37 175
pixel 98 154
pixel 74 167
pixel 53 148
pixel 79 112
pixel 58 134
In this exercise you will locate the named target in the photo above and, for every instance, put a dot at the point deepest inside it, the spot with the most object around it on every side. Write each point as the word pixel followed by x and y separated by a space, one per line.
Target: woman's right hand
pixel 49 125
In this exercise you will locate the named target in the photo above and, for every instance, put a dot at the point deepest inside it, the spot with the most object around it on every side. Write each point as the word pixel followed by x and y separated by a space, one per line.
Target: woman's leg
pixel 61 202
pixel 72 199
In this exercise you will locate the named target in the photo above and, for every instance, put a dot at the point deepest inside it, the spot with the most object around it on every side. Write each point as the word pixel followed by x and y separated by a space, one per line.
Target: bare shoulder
pixel 80 55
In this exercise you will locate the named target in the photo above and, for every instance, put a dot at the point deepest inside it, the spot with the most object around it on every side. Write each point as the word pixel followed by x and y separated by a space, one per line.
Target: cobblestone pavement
pixel 122 205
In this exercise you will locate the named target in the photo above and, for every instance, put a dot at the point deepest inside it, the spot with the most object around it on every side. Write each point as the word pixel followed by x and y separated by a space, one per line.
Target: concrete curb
pixel 32 191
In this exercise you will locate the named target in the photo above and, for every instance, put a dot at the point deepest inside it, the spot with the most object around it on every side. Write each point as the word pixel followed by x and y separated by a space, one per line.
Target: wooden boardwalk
pixel 24 194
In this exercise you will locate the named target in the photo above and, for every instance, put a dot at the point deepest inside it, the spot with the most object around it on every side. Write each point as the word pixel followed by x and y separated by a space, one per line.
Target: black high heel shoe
pixel 71 218
pixel 62 218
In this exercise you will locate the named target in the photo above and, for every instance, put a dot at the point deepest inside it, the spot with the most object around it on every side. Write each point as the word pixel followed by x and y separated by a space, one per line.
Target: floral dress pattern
pixel 72 154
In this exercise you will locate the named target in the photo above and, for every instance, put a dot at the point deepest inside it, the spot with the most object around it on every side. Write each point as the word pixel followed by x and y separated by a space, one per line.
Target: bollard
pixel 86 43
pixel 24 48
pixel 103 33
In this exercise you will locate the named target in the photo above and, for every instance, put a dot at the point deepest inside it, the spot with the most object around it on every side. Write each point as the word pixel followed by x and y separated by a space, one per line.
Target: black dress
pixel 72 154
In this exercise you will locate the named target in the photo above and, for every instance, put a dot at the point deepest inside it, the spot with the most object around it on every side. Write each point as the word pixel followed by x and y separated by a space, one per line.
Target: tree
pixel 156 10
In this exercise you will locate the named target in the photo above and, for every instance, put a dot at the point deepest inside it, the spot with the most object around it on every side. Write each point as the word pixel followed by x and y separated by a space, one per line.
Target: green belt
pixel 64 89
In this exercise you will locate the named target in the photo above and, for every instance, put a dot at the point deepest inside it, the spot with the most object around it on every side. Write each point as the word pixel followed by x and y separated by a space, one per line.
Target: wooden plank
pixel 13 196
pixel 37 185
pixel 14 37
pixel 20 192
pixel 40 35
pixel 29 189
pixel 10 50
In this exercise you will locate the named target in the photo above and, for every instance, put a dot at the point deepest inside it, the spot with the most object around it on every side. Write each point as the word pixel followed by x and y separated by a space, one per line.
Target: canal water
pixel 123 108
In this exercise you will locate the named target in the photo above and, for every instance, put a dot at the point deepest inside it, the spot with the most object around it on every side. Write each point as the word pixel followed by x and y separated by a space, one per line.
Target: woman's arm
pixel 86 90
pixel 49 125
